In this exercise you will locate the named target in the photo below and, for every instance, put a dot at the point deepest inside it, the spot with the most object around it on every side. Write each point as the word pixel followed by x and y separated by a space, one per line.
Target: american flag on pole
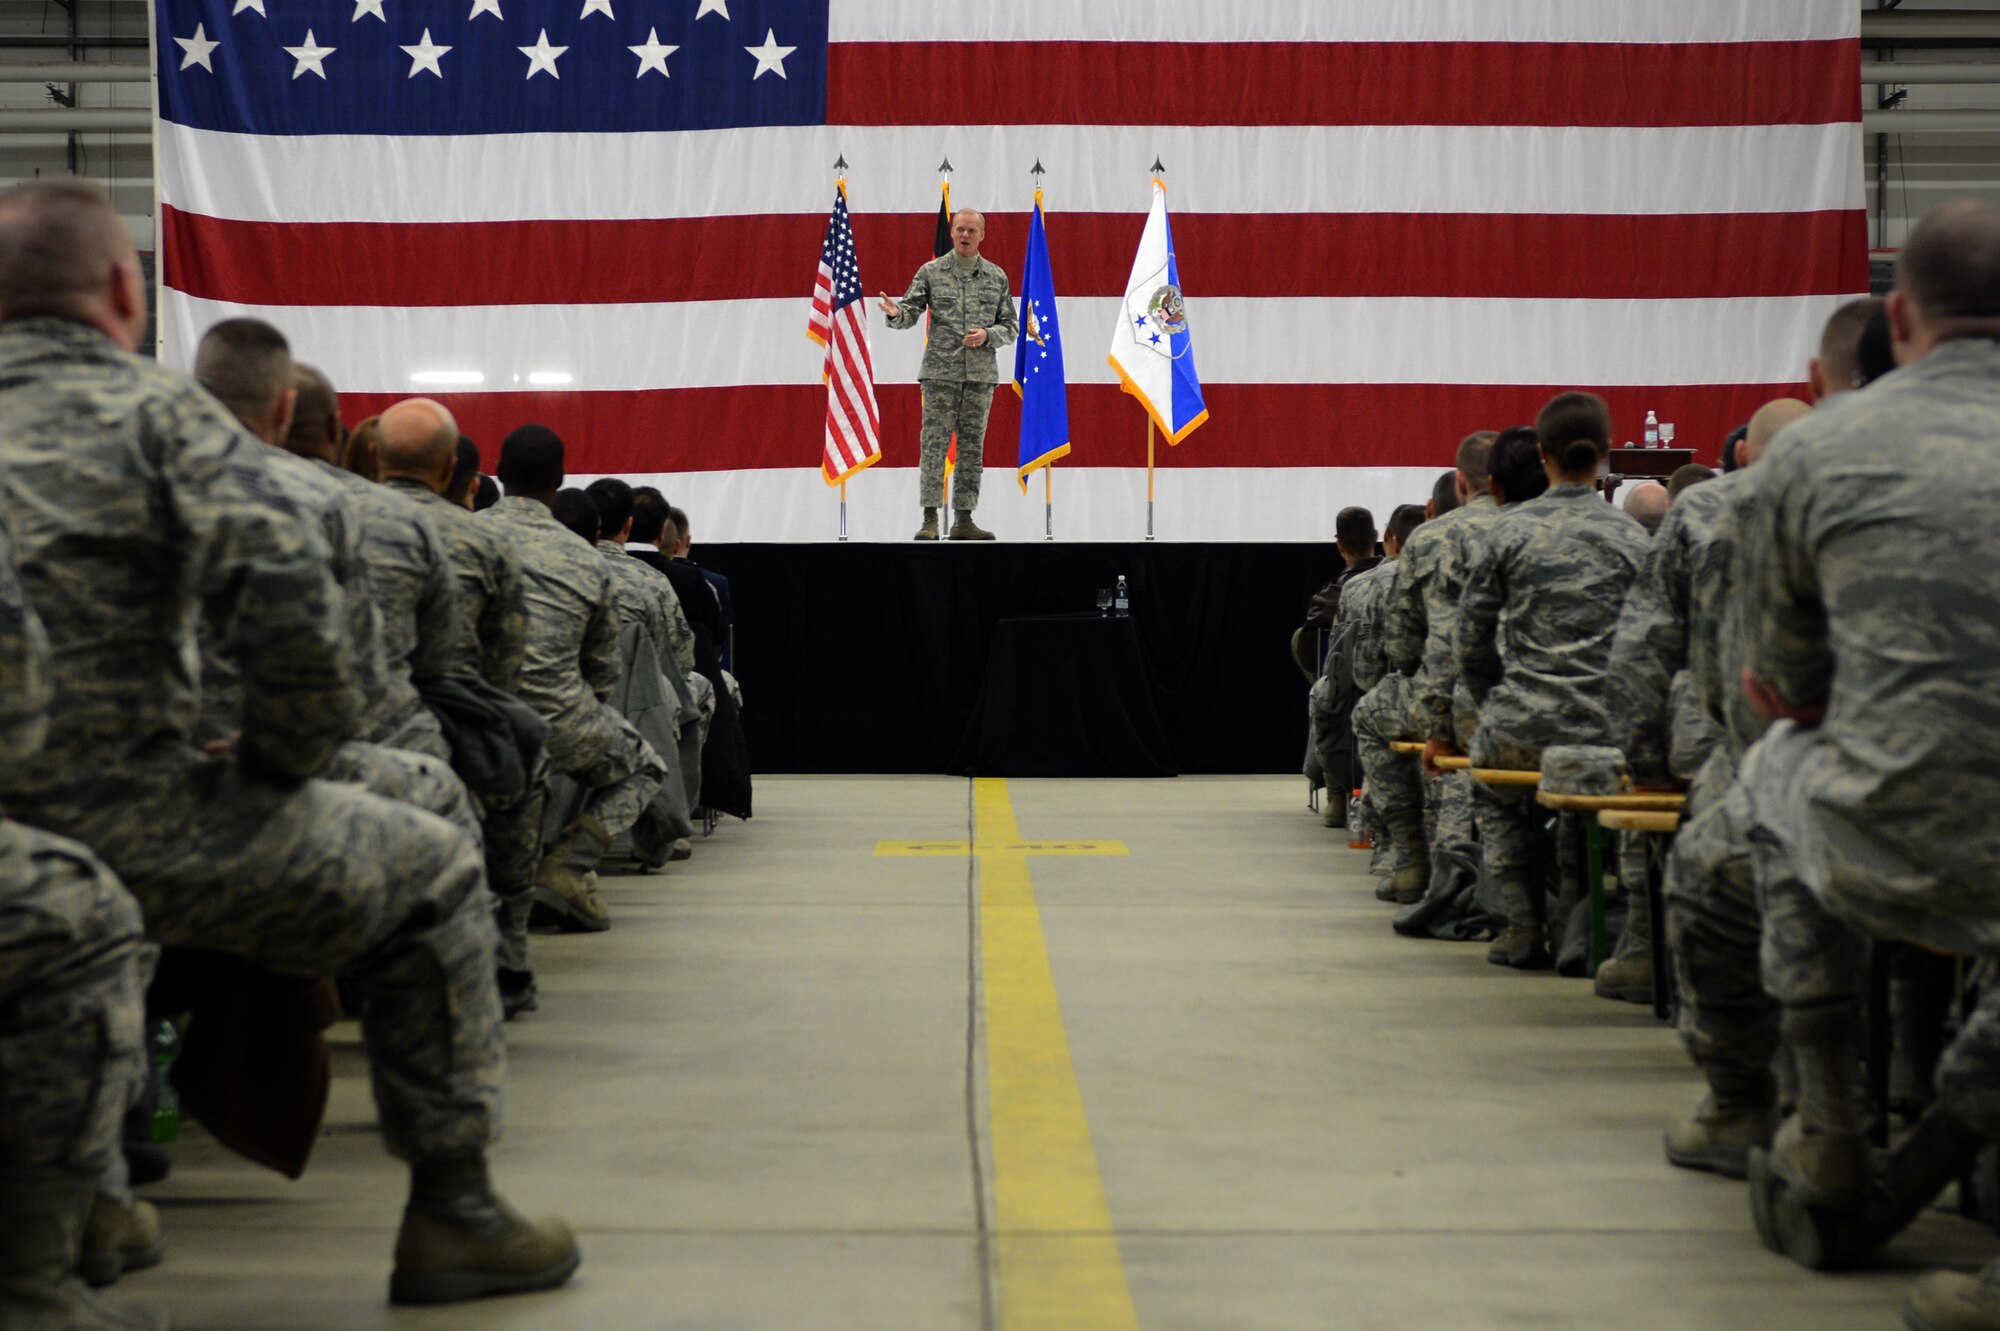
pixel 1403 221
pixel 839 323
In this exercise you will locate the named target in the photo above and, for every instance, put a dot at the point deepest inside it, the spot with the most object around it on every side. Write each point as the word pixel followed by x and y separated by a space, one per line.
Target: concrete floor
pixel 753 1098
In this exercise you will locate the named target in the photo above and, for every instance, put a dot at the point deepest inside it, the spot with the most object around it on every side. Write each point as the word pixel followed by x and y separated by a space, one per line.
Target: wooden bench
pixel 1406 746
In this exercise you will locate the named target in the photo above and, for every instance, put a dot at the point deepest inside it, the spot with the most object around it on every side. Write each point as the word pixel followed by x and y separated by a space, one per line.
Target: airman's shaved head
pixel 63 252
pixel 1764 426
pixel 418 439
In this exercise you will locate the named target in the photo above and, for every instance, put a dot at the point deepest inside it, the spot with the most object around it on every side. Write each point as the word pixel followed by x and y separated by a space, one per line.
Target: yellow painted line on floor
pixel 1058 1258
pixel 959 849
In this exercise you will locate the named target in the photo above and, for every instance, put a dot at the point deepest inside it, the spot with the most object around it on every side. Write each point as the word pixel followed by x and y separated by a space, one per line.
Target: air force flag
pixel 1038 360
pixel 1152 349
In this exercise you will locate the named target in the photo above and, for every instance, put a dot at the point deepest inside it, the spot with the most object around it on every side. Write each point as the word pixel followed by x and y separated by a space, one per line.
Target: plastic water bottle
pixel 166 1100
pixel 1357 826
pixel 1652 429
pixel 1121 601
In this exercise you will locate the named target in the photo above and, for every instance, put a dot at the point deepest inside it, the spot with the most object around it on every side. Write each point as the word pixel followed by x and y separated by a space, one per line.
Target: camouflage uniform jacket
pixel 133 498
pixel 959 301
pixel 1365 601
pixel 1536 622
pixel 1667 689
pixel 26 685
pixel 415 584
pixel 645 597
pixel 1868 573
pixel 571 663
pixel 492 620
pixel 1421 615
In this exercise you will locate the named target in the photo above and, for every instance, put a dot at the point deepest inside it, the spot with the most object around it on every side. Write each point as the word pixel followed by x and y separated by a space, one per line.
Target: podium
pixel 1642 464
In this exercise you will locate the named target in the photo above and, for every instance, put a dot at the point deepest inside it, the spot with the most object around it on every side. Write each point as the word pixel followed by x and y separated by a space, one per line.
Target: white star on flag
pixel 770 56
pixel 653 55
pixel 199 49
pixel 597 7
pixel 485 7
pixel 362 7
pixel 312 56
pixel 713 7
pixel 242 5
pixel 542 56
pixel 425 56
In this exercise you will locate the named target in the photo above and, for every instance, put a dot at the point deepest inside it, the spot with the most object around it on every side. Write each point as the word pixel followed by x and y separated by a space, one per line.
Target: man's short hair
pixel 1648 504
pixel 1354 530
pixel 679 517
pixel 1406 519
pixel 531 460
pixel 316 413
pixel 574 510
pixel 1473 452
pixel 1692 473
pixel 613 498
pixel 59 241
pixel 1840 341
pixel 1731 461
pixel 466 474
pixel 649 514
pixel 1516 462
pixel 417 437
pixel 488 495
pixel 358 453
pixel 960 212
pixel 1950 268
pixel 1575 430
pixel 246 364
pixel 1875 351
pixel 1444 494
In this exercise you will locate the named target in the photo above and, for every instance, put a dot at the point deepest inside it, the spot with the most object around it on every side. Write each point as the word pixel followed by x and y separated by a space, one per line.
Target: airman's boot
pixel 1952 1301
pixel 1820 1152
pixel 1407 885
pixel 964 530
pixel 119 1238
pixel 41 1240
pixel 1719 1136
pixel 565 894
pixel 929 531
pixel 460 1240
pixel 1629 979
pixel 1524 944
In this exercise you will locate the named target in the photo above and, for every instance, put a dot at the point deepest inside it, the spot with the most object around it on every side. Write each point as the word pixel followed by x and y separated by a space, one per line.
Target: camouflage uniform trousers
pixel 1394 781
pixel 604 753
pixel 322 878
pixel 950 408
pixel 74 965
pixel 1728 1023
pixel 1634 857
pixel 513 854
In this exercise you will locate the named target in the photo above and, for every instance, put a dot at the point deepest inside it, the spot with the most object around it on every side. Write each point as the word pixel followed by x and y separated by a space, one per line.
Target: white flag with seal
pixel 1153 348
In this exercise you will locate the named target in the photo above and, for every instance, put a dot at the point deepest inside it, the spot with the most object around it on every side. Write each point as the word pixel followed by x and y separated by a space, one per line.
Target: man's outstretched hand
pixel 890 307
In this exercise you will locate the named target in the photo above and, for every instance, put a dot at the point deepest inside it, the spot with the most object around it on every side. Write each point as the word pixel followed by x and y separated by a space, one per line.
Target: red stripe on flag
pixel 1276 425
pixel 1222 254
pixel 1348 83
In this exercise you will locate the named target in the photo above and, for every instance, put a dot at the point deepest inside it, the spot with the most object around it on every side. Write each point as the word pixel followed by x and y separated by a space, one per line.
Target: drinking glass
pixel 1103 600
pixel 1666 434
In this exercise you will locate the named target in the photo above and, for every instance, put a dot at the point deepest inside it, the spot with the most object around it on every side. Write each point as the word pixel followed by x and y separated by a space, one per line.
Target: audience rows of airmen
pixel 271 691
pixel 1808 647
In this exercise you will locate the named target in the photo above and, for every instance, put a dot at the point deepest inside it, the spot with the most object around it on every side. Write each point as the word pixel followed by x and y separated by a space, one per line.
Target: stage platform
pixel 870 658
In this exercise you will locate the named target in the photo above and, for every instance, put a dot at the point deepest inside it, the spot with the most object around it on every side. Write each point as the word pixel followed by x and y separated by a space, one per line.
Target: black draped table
pixel 1065 695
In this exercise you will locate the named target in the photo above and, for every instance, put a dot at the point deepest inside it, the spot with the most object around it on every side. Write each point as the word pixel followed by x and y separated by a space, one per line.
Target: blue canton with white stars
pixel 838 256
pixel 448 67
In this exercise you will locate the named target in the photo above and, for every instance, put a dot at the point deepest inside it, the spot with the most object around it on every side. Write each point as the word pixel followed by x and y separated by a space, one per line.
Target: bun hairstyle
pixel 1575 430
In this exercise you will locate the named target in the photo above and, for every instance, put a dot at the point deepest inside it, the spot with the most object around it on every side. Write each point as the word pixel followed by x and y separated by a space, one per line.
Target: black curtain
pixel 869 657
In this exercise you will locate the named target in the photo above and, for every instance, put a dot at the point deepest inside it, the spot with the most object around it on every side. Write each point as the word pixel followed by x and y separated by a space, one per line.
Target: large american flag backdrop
pixel 1395 223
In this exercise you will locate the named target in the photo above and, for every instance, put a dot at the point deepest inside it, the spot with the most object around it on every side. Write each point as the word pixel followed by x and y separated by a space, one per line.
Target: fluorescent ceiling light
pixel 551 378
pixel 445 377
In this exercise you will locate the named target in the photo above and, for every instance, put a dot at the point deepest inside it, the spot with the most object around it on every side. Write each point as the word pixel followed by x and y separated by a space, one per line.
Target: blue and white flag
pixel 1038 359
pixel 1152 349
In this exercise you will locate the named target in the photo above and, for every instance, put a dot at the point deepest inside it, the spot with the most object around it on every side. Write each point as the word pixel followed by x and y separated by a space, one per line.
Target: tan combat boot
pixel 565 894
pixel 1951 1301
pixel 1524 944
pixel 1626 979
pixel 929 531
pixel 118 1238
pixel 965 530
pixel 1820 1152
pixel 460 1240
pixel 1719 1136
pixel 41 1240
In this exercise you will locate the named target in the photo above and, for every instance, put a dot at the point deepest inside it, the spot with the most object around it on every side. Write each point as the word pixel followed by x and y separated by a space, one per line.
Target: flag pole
pixel 1149 477
pixel 840 184
pixel 843 510
pixel 1049 502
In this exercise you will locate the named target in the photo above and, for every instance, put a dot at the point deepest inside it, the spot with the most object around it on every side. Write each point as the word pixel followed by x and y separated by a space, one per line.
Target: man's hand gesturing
pixel 890 307
pixel 975 338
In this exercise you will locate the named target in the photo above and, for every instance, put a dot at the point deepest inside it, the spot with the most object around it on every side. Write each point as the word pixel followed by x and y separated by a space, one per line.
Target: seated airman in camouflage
pixel 1417 641
pixel 134 498
pixel 74 965
pixel 571 667
pixel 1870 802
pixel 1534 641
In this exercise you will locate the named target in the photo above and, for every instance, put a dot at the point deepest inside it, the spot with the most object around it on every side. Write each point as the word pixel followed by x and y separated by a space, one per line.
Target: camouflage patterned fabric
pixel 134 498
pixel 957 381
pixel 493 621
pixel 646 598
pixel 1533 643
pixel 1420 629
pixel 952 407
pixel 416 590
pixel 1358 620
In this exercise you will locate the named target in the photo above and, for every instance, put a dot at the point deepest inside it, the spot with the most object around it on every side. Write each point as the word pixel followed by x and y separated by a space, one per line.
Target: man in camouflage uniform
pixel 972 316
pixel 645 597
pixel 1414 700
pixel 133 498
pixel 571 667
pixel 74 965
pixel 419 453
pixel 1533 636
pixel 1678 702
pixel 1871 799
